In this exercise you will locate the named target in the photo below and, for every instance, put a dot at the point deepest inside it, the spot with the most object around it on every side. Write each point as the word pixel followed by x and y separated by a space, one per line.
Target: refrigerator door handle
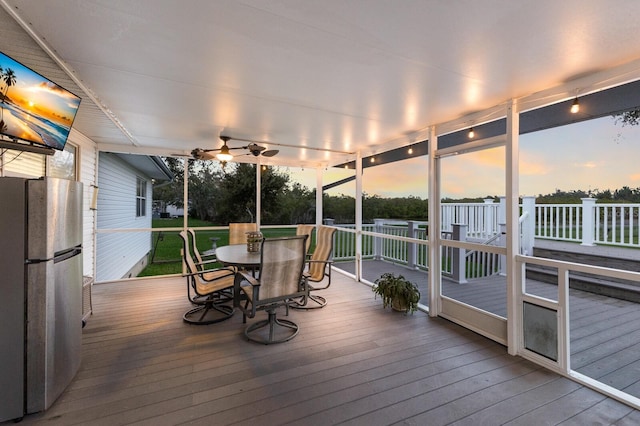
pixel 62 256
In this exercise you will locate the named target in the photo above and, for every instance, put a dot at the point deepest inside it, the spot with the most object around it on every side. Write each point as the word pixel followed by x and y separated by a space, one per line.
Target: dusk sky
pixel 592 155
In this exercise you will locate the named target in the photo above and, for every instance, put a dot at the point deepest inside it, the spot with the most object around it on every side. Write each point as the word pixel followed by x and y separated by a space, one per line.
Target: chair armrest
pixel 245 275
pixel 225 268
pixel 206 262
pixel 320 261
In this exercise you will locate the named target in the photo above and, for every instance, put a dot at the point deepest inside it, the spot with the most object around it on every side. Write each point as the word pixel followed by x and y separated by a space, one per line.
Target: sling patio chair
pixel 280 280
pixel 210 290
pixel 304 229
pixel 238 232
pixel 319 266
pixel 204 259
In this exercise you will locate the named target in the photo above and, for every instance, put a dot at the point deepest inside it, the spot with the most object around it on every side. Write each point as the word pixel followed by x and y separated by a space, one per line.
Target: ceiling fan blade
pixel 270 153
pixel 203 154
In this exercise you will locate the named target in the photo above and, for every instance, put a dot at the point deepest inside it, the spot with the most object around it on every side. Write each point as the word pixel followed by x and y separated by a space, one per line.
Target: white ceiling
pixel 342 75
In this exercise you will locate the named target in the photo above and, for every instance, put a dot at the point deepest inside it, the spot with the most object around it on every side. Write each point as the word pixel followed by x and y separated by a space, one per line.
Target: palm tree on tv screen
pixel 9 78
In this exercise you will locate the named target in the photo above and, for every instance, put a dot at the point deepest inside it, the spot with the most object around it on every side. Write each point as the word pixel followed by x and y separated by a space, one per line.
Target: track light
pixel 471 133
pixel 410 151
pixel 575 106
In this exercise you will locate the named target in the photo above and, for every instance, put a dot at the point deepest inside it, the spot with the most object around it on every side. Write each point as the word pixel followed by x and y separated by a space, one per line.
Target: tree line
pixel 223 195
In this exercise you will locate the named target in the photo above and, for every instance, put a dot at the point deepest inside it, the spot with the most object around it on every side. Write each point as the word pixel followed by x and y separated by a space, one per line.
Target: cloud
pixel 586 165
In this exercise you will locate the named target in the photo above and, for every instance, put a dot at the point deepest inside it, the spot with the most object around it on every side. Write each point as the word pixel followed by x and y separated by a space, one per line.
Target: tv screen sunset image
pixel 33 108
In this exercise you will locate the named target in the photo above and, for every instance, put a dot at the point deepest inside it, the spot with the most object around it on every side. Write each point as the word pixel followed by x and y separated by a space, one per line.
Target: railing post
pixel 489 229
pixel 502 209
pixel 588 221
pixel 377 241
pixel 502 242
pixel 412 249
pixel 529 225
pixel 459 261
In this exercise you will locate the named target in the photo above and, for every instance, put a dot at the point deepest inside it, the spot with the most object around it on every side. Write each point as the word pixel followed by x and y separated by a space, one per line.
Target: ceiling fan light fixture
pixel 224 154
pixel 224 157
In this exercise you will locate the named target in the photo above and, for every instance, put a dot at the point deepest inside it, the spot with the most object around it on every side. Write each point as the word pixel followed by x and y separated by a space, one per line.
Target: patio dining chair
pixel 202 260
pixel 210 290
pixel 318 267
pixel 238 231
pixel 303 229
pixel 280 280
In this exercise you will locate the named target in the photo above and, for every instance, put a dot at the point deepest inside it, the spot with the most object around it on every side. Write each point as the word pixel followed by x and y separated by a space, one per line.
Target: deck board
pixel 352 363
pixel 605 331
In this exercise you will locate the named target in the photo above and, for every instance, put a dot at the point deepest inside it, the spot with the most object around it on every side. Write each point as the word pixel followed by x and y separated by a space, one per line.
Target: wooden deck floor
pixel 352 363
pixel 605 332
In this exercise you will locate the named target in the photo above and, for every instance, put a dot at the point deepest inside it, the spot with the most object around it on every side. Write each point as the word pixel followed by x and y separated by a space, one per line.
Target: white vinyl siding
pixel 118 252
pixel 22 164
pixel 86 157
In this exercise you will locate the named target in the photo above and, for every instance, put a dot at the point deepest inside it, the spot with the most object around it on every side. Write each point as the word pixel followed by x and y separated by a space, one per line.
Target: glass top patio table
pixel 237 255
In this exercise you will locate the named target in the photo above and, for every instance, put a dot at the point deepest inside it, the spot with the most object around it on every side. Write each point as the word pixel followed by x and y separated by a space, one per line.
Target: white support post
pixel 514 289
pixel 185 193
pixel 358 268
pixel 185 198
pixel 319 198
pixel 433 228
pixel 258 193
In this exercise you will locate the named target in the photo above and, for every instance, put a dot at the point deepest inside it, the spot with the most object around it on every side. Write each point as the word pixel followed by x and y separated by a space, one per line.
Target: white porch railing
pixel 587 223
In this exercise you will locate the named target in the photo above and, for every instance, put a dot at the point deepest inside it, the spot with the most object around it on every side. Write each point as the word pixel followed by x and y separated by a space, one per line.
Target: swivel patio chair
pixel 280 280
pixel 210 290
pixel 238 232
pixel 303 229
pixel 202 260
pixel 319 266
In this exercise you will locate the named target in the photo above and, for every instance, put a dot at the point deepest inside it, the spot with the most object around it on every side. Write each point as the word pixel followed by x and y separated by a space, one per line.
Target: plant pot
pixel 399 306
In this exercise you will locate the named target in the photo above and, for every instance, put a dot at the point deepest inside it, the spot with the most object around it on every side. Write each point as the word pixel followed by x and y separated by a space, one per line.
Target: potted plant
pixel 398 292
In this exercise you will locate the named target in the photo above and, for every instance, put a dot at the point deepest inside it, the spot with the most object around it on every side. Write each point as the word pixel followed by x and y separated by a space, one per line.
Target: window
pixel 141 197
pixel 62 164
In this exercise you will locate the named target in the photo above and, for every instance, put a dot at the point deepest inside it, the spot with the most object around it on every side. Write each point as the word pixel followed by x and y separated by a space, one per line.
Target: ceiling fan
pixel 223 154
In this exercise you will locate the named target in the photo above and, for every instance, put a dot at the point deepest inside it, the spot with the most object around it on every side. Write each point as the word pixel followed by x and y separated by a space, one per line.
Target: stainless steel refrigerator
pixel 40 291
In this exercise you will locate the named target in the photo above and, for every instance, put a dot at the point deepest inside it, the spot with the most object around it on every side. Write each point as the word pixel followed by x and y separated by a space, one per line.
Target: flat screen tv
pixel 34 109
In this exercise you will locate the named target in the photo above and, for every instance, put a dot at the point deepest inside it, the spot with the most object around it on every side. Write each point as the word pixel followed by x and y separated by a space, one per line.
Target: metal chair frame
pixel 210 290
pixel 255 290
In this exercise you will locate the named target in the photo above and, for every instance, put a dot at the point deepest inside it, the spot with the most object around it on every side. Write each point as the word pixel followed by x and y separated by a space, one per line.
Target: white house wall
pixel 117 253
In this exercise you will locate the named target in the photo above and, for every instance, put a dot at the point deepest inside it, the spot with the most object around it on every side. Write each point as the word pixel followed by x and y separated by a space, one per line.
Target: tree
pixel 236 200
pixel 8 76
pixel 628 118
